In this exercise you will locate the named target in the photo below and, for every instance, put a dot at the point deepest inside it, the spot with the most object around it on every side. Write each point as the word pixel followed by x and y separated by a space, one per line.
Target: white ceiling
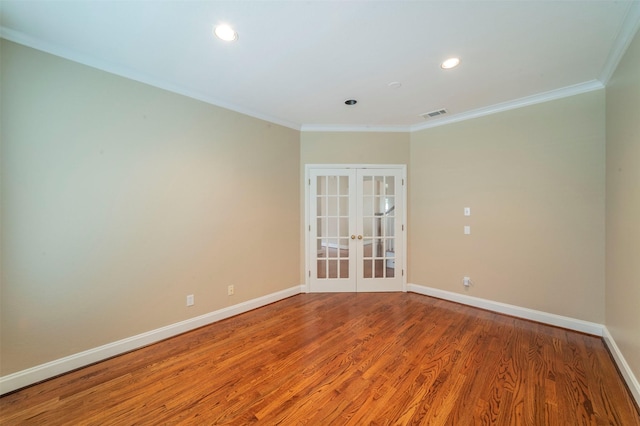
pixel 295 62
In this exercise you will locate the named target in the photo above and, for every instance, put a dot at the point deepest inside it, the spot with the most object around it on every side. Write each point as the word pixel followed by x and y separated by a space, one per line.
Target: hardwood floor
pixel 333 359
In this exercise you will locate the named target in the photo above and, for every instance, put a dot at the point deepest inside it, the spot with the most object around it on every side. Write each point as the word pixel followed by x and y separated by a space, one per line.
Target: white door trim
pixel 307 224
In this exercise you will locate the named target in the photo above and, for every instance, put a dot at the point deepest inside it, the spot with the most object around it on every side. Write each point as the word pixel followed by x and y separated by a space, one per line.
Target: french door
pixel 356 229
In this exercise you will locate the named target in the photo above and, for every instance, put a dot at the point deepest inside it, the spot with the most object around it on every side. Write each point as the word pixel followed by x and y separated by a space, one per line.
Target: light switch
pixel 467 211
pixel 467 230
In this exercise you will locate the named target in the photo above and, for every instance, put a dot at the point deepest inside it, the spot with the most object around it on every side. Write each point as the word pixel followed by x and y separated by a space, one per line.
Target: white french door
pixel 355 239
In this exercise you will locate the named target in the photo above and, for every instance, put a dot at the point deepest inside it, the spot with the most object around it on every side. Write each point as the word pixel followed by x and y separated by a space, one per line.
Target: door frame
pixel 307 224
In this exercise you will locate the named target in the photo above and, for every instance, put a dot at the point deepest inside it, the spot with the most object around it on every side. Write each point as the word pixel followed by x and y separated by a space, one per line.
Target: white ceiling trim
pixel 518 103
pixel 345 128
pixel 20 38
pixel 628 30
pixel 492 109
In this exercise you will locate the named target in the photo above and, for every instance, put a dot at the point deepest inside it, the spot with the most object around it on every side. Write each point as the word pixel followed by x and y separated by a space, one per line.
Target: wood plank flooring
pixel 345 359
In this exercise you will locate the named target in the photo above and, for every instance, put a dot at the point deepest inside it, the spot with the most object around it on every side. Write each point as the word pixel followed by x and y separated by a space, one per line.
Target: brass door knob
pixel 353 237
pixel 359 237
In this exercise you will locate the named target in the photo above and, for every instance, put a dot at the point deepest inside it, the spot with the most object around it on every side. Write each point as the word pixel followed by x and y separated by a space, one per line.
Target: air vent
pixel 433 113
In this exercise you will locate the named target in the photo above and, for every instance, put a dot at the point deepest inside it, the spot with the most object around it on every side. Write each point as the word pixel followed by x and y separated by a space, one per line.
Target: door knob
pixel 359 237
pixel 353 237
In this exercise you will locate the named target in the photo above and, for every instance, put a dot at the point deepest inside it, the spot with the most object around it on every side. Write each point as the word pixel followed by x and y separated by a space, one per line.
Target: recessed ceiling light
pixel 350 102
pixel 225 32
pixel 450 63
pixel 395 84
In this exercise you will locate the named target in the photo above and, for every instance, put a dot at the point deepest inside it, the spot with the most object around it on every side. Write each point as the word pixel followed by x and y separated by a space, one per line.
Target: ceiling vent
pixel 433 114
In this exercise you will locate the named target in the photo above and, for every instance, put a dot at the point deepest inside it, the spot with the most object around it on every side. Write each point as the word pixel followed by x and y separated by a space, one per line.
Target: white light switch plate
pixel 467 211
pixel 467 230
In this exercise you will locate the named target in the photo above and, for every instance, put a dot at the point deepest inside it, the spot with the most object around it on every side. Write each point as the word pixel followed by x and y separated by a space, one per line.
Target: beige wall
pixel 534 179
pixel 623 206
pixel 348 148
pixel 354 148
pixel 119 199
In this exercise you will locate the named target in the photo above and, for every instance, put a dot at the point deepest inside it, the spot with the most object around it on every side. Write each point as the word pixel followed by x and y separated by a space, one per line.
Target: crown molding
pixel 564 92
pixel 628 29
pixel 346 128
pixel 93 62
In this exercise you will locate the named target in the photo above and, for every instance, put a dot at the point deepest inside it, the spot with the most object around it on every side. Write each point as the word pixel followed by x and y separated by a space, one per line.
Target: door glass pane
pixel 321 206
pixel 367 206
pixel 390 185
pixel 322 268
pixel 344 248
pixel 389 227
pixel 391 272
pixel 367 251
pixel 378 185
pixel 389 247
pixel 332 227
pixel 378 248
pixel 367 185
pixel 367 263
pixel 332 185
pixel 321 227
pixel 321 183
pixel 389 206
pixel 368 226
pixel 378 205
pixel 344 269
pixel 379 268
pixel 377 228
pixel 343 208
pixel 322 248
pixel 332 206
pixel 344 185
pixel 333 269
pixel 332 248
pixel 344 227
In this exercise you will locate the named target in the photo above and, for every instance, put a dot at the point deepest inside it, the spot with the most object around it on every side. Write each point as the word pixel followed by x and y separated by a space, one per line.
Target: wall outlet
pixel 230 290
pixel 190 300
pixel 466 281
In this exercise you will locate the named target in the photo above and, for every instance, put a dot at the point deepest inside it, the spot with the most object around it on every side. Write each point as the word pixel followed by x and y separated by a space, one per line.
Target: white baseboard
pixel 516 311
pixel 546 318
pixel 624 368
pixel 45 371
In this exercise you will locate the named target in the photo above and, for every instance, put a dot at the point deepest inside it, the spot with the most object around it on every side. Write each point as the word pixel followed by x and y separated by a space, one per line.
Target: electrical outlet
pixel 466 281
pixel 230 290
pixel 190 300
